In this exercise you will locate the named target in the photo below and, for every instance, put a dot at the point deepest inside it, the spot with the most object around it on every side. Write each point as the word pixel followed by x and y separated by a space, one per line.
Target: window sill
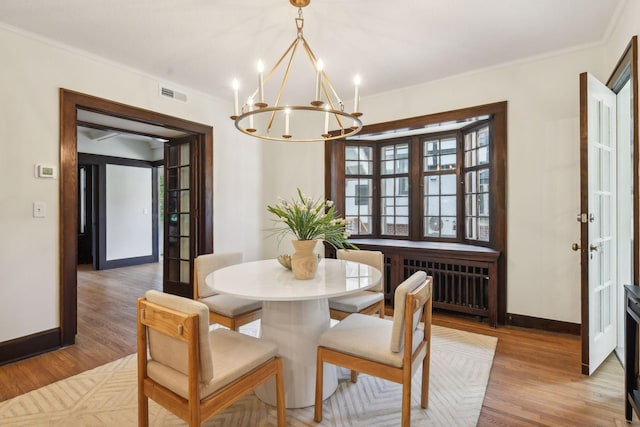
pixel 460 249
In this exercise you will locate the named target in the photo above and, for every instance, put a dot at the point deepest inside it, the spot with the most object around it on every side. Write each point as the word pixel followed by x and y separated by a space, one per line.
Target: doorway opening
pixel 199 174
pixel 118 197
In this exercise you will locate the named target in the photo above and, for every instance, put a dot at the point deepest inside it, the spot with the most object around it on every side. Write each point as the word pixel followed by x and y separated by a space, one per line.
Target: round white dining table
pixel 294 315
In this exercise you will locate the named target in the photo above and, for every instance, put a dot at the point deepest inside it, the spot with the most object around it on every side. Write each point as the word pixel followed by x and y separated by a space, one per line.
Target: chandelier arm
pixel 326 79
pixel 325 76
pixel 337 117
pixel 292 48
pixel 275 67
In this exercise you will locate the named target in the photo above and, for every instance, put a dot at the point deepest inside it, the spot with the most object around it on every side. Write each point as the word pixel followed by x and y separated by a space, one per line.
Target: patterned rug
pixel 107 395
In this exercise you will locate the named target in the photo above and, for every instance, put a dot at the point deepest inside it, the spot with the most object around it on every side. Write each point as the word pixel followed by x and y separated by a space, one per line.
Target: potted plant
pixel 309 220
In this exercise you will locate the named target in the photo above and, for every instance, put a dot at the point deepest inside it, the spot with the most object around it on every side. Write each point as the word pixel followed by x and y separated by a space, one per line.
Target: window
pixel 476 179
pixel 358 192
pixel 394 190
pixel 440 187
pixel 439 180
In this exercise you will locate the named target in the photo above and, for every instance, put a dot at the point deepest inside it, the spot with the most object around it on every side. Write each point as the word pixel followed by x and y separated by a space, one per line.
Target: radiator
pixel 458 286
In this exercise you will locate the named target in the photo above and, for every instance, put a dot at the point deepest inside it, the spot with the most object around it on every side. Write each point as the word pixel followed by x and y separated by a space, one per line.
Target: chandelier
pixel 324 118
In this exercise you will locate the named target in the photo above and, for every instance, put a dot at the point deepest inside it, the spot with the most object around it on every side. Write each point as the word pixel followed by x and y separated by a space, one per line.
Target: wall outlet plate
pixel 39 209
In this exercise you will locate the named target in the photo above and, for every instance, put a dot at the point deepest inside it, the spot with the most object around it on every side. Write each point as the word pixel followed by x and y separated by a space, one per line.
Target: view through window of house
pixel 358 185
pixel 429 183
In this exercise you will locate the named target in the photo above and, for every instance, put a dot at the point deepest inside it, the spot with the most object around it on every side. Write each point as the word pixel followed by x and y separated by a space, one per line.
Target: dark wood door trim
pixel 627 70
pixel 584 226
pixel 70 102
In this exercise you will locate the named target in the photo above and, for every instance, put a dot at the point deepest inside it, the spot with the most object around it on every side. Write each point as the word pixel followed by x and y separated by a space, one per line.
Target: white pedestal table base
pixel 295 326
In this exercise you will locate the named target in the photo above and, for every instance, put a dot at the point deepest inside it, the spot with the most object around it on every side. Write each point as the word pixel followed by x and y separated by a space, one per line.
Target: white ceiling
pixel 204 44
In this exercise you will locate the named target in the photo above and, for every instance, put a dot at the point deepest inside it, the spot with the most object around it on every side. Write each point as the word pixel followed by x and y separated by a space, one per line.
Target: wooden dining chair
pixel 191 371
pixel 364 302
pixel 225 310
pixel 392 350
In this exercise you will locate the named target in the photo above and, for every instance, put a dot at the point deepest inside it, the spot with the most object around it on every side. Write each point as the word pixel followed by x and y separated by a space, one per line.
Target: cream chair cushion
pixel 367 337
pixel 230 306
pixel 409 285
pixel 353 303
pixel 232 354
pixel 171 352
pixel 210 262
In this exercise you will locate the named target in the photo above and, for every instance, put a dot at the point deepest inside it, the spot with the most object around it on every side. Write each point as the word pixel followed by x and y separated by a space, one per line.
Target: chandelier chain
pixel 299 23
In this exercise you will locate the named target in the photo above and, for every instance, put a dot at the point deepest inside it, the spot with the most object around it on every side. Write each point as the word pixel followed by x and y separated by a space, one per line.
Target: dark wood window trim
pixel 334 177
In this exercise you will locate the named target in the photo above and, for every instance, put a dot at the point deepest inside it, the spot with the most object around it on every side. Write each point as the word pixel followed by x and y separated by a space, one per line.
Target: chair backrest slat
pixel 373 258
pixel 412 283
pixel 421 295
pixel 205 264
pixel 169 322
pixel 172 351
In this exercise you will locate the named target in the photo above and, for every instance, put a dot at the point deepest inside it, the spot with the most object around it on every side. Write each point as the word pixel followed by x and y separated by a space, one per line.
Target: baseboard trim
pixel 543 324
pixel 30 345
pixel 127 262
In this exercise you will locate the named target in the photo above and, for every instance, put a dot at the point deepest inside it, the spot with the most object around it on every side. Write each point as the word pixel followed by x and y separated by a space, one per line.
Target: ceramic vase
pixel 304 262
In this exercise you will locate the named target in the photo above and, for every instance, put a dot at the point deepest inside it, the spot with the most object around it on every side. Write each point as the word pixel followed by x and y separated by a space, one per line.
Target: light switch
pixel 39 210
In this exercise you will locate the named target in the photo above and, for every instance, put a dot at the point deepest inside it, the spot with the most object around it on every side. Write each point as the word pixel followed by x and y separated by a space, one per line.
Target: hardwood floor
pixel 106 328
pixel 535 379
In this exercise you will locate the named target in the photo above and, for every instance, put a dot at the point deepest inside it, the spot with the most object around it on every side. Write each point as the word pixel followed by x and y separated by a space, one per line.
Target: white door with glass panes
pixel 598 219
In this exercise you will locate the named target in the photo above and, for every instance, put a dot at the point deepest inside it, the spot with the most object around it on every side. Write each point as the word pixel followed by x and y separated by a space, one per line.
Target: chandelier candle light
pixel 259 119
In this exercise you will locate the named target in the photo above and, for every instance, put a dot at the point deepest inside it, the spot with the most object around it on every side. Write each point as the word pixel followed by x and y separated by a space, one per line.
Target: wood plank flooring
pixel 106 328
pixel 535 379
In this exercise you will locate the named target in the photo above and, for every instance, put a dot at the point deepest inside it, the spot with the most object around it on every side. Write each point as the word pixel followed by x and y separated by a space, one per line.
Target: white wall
pixel 30 77
pixel 129 220
pixel 288 166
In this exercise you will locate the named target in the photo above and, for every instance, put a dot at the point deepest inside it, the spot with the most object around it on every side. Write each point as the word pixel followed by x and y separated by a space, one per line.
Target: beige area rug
pixel 107 395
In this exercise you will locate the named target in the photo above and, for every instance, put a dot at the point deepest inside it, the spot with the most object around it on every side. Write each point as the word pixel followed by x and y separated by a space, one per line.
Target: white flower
pixel 329 203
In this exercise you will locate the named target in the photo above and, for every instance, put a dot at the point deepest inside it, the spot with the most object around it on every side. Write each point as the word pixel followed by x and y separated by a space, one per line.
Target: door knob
pixel 584 218
pixel 593 248
pixel 575 247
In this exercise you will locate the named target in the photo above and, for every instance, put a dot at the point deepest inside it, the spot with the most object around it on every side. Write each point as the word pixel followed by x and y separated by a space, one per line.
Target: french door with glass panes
pixel 181 215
